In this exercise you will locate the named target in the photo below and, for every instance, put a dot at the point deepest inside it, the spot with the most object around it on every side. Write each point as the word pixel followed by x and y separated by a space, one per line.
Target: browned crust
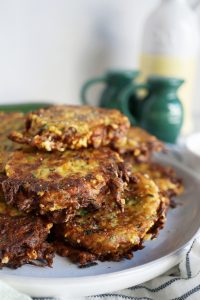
pixel 169 183
pixel 82 126
pixel 76 255
pixel 8 122
pixel 170 174
pixel 28 201
pixel 162 218
pixel 140 144
pixel 23 241
pixel 70 192
pixel 82 256
pixel 66 215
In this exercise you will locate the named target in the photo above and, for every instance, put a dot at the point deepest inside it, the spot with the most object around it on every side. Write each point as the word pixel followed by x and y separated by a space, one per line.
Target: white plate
pixel 67 280
pixel 192 146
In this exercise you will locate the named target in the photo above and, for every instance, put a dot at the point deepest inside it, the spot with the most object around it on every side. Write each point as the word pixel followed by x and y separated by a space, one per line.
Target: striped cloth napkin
pixel 180 283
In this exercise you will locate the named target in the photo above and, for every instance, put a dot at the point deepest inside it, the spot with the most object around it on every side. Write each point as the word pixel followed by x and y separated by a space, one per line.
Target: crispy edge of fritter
pixel 170 174
pixel 159 173
pixel 140 144
pixel 53 138
pixel 7 122
pixel 23 241
pixel 74 254
pixel 30 193
pixel 22 247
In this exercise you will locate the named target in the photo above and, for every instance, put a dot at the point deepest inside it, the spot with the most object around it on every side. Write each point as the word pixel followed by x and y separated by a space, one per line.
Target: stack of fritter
pixel 79 181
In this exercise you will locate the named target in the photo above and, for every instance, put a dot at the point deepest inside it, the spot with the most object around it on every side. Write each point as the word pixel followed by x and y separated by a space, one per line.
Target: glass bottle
pixel 170 47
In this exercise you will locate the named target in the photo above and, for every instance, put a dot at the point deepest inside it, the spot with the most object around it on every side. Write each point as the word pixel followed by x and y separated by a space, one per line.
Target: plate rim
pixel 99 276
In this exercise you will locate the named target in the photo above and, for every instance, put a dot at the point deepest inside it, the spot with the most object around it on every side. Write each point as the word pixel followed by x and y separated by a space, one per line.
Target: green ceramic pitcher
pixel 161 111
pixel 116 81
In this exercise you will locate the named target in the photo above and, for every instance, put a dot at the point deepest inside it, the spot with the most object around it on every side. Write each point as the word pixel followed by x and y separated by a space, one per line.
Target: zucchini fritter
pixel 110 233
pixel 8 122
pixel 23 240
pixel 140 144
pixel 165 177
pixel 72 127
pixel 51 182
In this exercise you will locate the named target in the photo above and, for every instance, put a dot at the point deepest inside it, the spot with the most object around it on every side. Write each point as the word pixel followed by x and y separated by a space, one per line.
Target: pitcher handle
pixel 87 85
pixel 124 100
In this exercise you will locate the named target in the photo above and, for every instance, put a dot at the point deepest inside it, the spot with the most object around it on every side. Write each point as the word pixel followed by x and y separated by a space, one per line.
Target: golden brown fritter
pixel 23 241
pixel 8 122
pixel 111 233
pixel 23 238
pixel 72 127
pixel 140 144
pixel 165 177
pixel 51 182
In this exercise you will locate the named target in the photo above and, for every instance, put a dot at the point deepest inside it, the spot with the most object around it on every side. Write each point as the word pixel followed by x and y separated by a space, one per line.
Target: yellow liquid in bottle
pixel 184 68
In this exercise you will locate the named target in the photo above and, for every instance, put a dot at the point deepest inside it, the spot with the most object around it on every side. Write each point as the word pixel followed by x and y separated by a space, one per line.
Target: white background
pixel 48 48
